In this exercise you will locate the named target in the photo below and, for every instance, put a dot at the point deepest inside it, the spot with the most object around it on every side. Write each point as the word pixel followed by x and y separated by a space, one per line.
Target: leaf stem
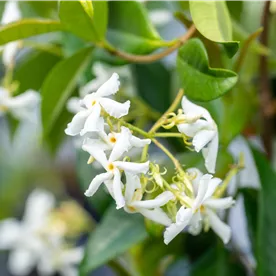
pixel 168 134
pixel 149 58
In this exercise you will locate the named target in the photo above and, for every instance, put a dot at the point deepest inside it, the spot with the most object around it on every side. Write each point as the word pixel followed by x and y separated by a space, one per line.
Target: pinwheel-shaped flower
pixel 198 124
pixel 88 120
pixel 113 165
pixel 21 106
pixel 150 209
pixel 202 210
pixel 24 238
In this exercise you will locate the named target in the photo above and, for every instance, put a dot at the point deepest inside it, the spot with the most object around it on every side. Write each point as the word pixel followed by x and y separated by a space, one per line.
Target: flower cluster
pixel 39 240
pixel 109 140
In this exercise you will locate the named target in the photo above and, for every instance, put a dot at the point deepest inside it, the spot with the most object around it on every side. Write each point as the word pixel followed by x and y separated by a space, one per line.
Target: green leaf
pixel 266 239
pixel 87 20
pixel 101 200
pixel 31 62
pixel 153 84
pixel 134 34
pixel 199 81
pixel 26 28
pixel 57 88
pixel 213 21
pixel 117 233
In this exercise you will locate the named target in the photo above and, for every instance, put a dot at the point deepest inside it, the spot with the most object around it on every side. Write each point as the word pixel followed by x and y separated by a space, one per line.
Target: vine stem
pixel 149 58
pixel 169 134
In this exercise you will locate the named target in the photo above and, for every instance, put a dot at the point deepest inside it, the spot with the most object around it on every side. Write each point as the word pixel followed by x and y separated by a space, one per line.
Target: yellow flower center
pixel 94 102
pixel 110 167
pixel 113 139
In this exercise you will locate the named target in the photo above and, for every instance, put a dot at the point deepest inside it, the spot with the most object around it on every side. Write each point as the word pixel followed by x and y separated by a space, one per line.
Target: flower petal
pixel 10 233
pixel 132 167
pixel 191 129
pixel 159 201
pixel 21 261
pixel 139 143
pixel 183 214
pixel 122 144
pixel 96 182
pixel 210 154
pixel 219 227
pixel 132 183
pixel 74 128
pixel 74 105
pixel 117 190
pixel 202 138
pixel 96 150
pixel 9 53
pixel 195 226
pixel 110 87
pixel 196 175
pixel 196 110
pixel 114 108
pixel 212 185
pixel 202 190
pixel 93 122
pixel 156 215
pixel 219 203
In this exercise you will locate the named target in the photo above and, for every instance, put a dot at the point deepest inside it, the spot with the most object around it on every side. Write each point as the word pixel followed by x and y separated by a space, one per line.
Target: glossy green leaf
pixel 31 62
pixel 266 239
pixel 132 34
pixel 26 28
pixel 199 81
pixel 58 86
pixel 117 232
pixel 213 21
pixel 88 20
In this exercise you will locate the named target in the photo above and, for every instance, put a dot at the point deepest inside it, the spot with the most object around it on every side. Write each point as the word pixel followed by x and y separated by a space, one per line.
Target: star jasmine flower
pixel 202 210
pixel 113 166
pixel 88 120
pixel 199 125
pixel 23 238
pixel 148 208
pixel 21 106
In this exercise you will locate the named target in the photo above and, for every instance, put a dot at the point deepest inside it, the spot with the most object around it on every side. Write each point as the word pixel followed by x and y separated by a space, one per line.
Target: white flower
pixel 113 165
pixel 57 259
pixel 160 17
pixel 199 125
pixel 24 238
pixel 148 208
pixel 88 120
pixel 21 106
pixel 203 210
pixel 10 14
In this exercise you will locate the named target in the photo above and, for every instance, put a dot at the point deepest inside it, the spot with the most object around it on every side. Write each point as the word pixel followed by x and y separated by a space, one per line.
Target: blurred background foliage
pixel 218 68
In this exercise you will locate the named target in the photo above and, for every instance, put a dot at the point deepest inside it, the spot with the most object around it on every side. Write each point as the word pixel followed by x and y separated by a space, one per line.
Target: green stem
pixel 135 129
pixel 168 134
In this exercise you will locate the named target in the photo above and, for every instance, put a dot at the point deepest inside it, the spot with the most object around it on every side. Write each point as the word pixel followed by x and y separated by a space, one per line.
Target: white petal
pixel 23 106
pixel 118 195
pixel 132 167
pixel 93 122
pixel 122 144
pixel 139 143
pixel 193 109
pixel 38 206
pixel 77 123
pixel 73 105
pixel 159 201
pixel 9 53
pixel 132 183
pixel 191 129
pixel 11 12
pixel 156 215
pixel 10 233
pixel 202 190
pixel 182 220
pixel 195 226
pixel 110 87
pixel 210 154
pixel 212 185
pixel 96 182
pixel 89 101
pixel 114 108
pixel 202 138
pixel 21 262
pixel 196 174
pixel 69 271
pixel 73 256
pixel 219 227
pixel 219 203
pixel 96 150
